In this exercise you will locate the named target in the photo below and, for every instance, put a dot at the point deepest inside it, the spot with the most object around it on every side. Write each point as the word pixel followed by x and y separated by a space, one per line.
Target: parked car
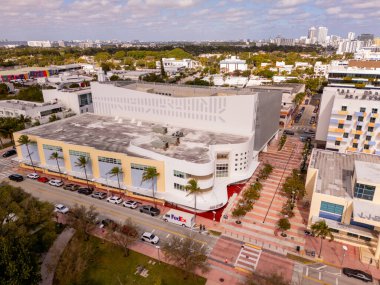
pixel 149 237
pixel 42 179
pixel 99 195
pixel 114 200
pixel 289 132
pixel 307 102
pixel 16 177
pixel 60 208
pixel 85 191
pixel 131 204
pixel 312 120
pixel 302 109
pixel 56 182
pixel 358 274
pixel 107 222
pixel 33 175
pixel 309 132
pixel 9 153
pixel 71 187
pixel 150 210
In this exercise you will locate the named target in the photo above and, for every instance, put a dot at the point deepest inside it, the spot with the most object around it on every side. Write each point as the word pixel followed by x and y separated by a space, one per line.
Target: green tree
pixel 283 224
pixel 193 189
pixel 119 55
pixel 272 279
pixel 102 56
pixel 294 185
pixel 82 162
pixel 186 253
pixel 114 77
pixel 24 140
pixel 124 235
pixel 151 174
pixel 116 171
pixel 83 220
pixel 239 212
pixel 32 93
pixel 53 118
pixel 55 156
pixel 322 230
pixel 3 89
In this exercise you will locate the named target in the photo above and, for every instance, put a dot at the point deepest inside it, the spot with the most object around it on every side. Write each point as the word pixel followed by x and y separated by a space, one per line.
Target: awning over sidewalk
pixel 366 212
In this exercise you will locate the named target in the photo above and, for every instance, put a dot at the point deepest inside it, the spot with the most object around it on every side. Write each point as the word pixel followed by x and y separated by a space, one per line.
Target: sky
pixel 163 20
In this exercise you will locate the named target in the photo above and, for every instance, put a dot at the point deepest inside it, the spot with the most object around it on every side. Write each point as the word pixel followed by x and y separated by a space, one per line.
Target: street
pixel 320 273
pixel 117 213
pixel 304 122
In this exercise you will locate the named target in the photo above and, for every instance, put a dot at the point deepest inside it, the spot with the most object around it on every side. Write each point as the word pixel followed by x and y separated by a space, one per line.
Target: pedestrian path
pixel 248 257
pixel 259 226
pixel 7 167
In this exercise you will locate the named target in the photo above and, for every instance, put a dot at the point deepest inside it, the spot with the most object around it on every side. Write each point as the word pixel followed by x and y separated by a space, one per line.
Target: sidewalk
pixel 51 259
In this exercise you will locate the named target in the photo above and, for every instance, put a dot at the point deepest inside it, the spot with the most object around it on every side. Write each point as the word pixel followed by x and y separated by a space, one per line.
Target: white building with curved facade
pixel 213 135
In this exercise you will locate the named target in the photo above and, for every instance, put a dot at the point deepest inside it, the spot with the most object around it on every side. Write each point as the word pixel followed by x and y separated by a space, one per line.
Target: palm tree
pixel 116 171
pixel 24 140
pixel 193 188
pixel 55 156
pixel 322 230
pixel 150 173
pixel 82 162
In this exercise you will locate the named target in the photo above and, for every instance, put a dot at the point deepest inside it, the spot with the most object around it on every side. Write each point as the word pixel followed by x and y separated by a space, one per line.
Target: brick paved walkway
pixel 259 225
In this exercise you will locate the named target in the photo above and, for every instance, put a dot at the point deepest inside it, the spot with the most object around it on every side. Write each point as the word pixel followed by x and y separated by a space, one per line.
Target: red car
pixel 43 179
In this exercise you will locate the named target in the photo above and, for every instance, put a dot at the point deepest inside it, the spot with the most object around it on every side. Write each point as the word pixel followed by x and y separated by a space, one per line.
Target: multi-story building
pixel 233 63
pixel 349 120
pixel 344 190
pixel 173 65
pixel 35 111
pixel 321 69
pixel 183 132
pixel 44 44
pixel 322 35
pixel 312 35
pixel 78 100
pixel 368 53
pixel 342 76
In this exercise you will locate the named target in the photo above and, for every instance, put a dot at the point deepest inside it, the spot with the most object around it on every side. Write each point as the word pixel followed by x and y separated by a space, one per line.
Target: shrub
pixel 282 142
pixel 283 224
pixel 265 171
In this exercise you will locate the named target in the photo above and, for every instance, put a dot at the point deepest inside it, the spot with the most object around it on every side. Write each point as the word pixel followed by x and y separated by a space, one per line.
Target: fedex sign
pixel 178 218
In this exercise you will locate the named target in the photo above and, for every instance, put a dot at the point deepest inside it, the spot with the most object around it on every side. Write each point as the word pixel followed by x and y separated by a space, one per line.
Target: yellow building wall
pixel 126 160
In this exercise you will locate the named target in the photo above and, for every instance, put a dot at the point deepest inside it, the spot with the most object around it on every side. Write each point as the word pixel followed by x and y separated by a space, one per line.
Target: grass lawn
pixel 108 266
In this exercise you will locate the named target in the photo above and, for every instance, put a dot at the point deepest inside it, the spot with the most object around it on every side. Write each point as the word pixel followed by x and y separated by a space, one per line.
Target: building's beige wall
pixel 94 153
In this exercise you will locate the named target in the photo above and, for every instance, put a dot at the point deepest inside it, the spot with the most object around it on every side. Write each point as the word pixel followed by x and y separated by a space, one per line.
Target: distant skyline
pixel 157 20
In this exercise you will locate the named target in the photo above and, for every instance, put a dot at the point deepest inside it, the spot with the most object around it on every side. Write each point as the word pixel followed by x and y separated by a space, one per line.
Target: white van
pixel 180 218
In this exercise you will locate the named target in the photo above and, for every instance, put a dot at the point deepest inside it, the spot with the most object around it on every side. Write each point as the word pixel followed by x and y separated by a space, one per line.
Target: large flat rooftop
pixel 117 134
pixel 336 170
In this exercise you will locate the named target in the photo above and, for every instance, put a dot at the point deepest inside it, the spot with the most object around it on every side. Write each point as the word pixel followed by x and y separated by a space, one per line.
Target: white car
pixel 59 208
pixel 33 175
pixel 56 182
pixel 150 237
pixel 114 200
pixel 131 204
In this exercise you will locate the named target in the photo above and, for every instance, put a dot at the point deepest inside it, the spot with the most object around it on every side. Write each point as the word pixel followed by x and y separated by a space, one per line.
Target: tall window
pixel 344 108
pixel 222 170
pixel 370 129
pixel 179 187
pixel 374 111
pixel 355 145
pixel 357 137
pixel 337 142
pixel 360 119
pixel 363 191
pixel 362 109
pixel 349 118
pixel 109 160
pixel 345 135
pixel 340 126
pixel 372 120
pixel 358 128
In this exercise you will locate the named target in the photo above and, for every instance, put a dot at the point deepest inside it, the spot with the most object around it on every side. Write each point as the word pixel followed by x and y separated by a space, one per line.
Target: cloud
pixel 290 3
pixel 333 10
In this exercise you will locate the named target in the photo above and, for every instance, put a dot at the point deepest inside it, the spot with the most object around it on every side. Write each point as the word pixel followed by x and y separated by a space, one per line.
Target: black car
pixel 9 153
pixel 85 191
pixel 289 132
pixel 16 177
pixel 358 274
pixel 108 222
pixel 150 210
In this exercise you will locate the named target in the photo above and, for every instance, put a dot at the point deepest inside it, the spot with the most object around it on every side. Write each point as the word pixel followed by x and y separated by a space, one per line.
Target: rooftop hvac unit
pixel 348 91
pixel 365 92
pixel 160 144
pixel 178 134
pixel 171 140
pixel 346 96
pixel 160 129
pixel 356 97
pixel 364 97
pixel 376 93
pixel 351 96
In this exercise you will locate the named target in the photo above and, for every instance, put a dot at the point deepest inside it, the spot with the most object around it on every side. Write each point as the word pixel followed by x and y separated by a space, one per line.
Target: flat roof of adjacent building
pixel 26 105
pixel 353 93
pixel 23 70
pixel 367 172
pixel 175 90
pixel 116 134
pixel 336 170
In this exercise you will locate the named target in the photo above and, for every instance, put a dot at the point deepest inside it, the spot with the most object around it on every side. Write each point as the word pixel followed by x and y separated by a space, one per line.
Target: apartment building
pixel 345 76
pixel 183 132
pixel 172 65
pixel 344 190
pixel 349 120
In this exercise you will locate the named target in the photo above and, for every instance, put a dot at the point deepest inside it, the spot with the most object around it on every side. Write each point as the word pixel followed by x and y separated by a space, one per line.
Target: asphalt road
pixel 317 274
pixel 303 123
pixel 117 213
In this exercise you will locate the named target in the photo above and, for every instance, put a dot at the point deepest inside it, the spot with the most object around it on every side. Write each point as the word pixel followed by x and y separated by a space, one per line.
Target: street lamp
pixel 158 253
pixel 345 248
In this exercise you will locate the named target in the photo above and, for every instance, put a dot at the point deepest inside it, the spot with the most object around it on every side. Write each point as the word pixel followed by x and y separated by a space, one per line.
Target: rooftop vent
pixel 370 97
pixel 370 92
pixel 364 97
pixel 171 140
pixel 356 97
pixel 351 96
pixel 346 96
pixel 376 93
pixel 160 144
pixel 365 92
pixel 178 134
